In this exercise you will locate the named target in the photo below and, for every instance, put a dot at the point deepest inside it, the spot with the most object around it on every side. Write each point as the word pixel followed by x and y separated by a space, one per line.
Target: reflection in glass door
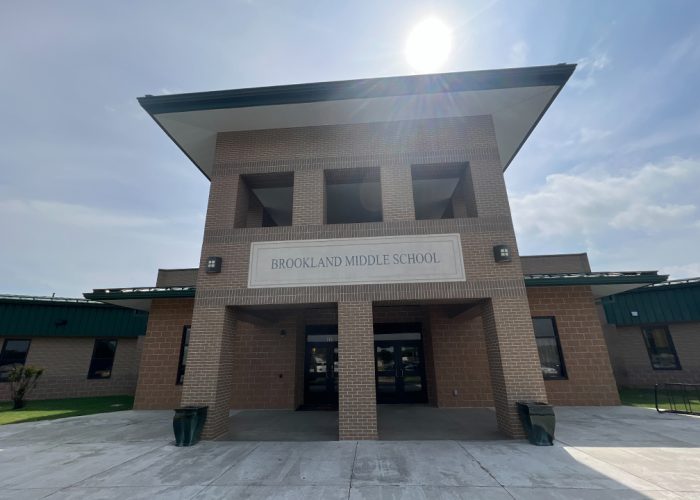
pixel 321 366
pixel 400 372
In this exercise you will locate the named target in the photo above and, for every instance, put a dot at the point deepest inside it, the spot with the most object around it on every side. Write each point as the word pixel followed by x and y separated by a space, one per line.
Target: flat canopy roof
pixel 602 284
pixel 516 98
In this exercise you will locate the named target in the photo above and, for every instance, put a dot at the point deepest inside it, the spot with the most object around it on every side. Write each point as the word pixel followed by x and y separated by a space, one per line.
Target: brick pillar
pixel 514 362
pixel 397 192
pixel 309 193
pixel 209 373
pixel 357 391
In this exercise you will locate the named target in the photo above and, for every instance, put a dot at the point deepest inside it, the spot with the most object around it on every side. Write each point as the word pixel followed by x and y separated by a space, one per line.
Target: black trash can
pixel 188 423
pixel 538 421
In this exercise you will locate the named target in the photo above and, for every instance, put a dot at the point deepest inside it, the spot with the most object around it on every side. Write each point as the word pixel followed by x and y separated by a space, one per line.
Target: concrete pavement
pixel 609 452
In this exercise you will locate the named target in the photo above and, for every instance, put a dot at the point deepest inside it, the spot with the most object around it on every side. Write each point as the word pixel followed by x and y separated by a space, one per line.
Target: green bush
pixel 23 380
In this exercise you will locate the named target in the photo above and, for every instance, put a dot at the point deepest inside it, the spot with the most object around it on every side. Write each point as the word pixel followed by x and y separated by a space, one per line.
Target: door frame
pixel 400 396
pixel 331 394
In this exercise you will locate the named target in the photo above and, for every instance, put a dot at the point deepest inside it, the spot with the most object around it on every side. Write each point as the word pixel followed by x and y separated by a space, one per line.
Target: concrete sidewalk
pixel 613 452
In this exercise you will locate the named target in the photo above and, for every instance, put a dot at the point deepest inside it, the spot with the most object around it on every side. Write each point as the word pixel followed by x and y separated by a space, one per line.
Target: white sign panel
pixel 348 261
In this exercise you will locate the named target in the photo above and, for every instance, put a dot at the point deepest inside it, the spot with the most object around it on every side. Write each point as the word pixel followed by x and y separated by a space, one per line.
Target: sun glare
pixel 428 45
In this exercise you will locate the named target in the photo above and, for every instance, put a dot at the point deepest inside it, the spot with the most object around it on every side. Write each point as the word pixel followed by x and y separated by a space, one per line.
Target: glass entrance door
pixel 321 367
pixel 400 371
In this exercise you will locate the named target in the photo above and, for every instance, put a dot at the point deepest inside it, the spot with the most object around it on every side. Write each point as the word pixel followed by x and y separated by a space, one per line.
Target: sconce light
pixel 214 264
pixel 501 253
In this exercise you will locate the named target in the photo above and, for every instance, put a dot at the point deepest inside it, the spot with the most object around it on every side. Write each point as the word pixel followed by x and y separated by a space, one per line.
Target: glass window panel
pixel 412 383
pixel 662 353
pixel 184 350
pixel 386 384
pixel 549 357
pixel 548 347
pixel 544 327
pixel 102 358
pixel 14 353
pixel 385 358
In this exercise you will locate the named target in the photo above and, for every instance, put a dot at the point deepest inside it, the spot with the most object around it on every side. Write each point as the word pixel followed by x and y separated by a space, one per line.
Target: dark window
pixel 662 352
pixel 14 353
pixel 183 355
pixel 352 195
pixel 102 358
pixel 548 346
pixel 443 191
pixel 265 200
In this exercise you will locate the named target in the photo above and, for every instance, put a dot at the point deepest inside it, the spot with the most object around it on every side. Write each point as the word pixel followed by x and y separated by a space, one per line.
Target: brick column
pixel 514 362
pixel 209 373
pixel 397 192
pixel 309 194
pixel 357 391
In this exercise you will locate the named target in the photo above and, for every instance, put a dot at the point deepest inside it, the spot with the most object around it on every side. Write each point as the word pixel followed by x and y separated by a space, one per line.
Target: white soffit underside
pixel 514 111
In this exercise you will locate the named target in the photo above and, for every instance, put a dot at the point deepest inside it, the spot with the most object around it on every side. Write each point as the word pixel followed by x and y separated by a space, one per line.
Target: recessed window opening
pixel 443 191
pixel 265 200
pixel 662 352
pixel 353 195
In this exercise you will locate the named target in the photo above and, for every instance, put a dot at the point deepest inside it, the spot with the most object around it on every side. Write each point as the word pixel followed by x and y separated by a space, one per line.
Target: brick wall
pixel 460 361
pixel 66 361
pixel 590 379
pixel 357 415
pixel 631 363
pixel 265 370
pixel 393 148
pixel 156 388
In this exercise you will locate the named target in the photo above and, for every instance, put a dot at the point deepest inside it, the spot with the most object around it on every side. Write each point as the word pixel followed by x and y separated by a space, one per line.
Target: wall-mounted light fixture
pixel 213 264
pixel 501 253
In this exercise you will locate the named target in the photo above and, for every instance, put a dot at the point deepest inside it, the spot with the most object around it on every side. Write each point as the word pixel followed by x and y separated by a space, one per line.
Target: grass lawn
pixel 645 398
pixel 49 409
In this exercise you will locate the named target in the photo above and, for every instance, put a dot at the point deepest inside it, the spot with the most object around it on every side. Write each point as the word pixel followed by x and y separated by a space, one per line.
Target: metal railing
pixel 681 398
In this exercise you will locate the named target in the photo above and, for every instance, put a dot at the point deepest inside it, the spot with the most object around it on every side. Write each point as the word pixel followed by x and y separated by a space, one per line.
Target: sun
pixel 428 45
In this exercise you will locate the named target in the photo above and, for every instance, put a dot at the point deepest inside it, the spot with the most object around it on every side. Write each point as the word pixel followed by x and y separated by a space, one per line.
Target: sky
pixel 94 195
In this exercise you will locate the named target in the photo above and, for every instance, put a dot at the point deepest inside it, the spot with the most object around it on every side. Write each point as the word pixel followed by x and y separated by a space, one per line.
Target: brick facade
pixel 631 363
pixel 66 361
pixel 459 362
pixel 590 380
pixel 157 387
pixel 357 409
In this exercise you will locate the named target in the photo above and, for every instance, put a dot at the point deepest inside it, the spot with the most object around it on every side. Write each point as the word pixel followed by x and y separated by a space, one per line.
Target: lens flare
pixel 428 45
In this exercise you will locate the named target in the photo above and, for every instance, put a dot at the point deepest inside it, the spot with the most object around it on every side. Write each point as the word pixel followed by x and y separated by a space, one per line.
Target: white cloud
pixel 594 202
pixel 682 271
pixel 586 71
pixel 518 53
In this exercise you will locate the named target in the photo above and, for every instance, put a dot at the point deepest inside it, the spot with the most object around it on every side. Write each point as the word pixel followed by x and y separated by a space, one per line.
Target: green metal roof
pixel 25 316
pixel 670 302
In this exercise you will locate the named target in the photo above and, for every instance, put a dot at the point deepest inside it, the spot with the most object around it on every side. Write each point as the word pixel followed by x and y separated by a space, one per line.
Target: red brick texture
pixel 357 410
pixel 210 365
pixel 590 378
pixel 393 148
pixel 157 387
pixel 265 371
pixel 513 360
pixel 461 367
pixel 66 361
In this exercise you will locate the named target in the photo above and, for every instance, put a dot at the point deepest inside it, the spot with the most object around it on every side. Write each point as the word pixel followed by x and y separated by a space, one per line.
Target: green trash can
pixel 538 421
pixel 188 423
